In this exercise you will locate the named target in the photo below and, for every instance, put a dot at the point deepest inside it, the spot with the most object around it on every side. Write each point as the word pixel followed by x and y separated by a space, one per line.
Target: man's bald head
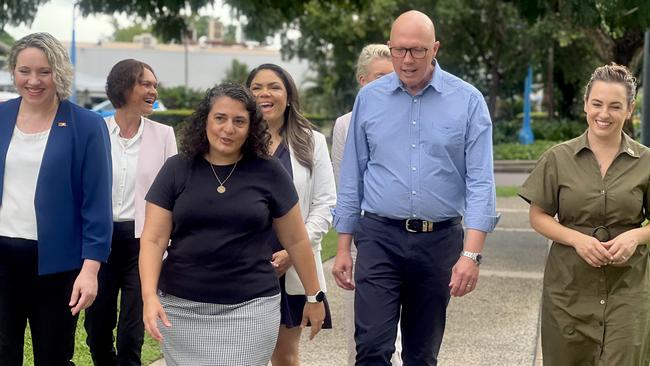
pixel 414 19
pixel 413 34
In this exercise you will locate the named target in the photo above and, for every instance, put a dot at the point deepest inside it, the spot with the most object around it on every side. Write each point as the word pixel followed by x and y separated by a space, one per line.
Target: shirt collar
pixel 114 129
pixel 436 82
pixel 627 145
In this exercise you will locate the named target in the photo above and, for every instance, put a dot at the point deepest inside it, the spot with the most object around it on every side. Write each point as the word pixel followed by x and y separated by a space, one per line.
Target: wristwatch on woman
pixel 316 298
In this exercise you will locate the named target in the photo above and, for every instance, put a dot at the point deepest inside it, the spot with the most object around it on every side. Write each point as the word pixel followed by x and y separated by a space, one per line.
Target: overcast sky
pixel 55 17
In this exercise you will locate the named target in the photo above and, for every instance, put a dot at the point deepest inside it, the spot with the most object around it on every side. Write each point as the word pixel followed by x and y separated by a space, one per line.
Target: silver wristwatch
pixel 476 257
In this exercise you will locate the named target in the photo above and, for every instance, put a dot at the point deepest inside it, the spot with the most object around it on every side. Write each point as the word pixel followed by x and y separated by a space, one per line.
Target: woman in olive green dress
pixel 596 295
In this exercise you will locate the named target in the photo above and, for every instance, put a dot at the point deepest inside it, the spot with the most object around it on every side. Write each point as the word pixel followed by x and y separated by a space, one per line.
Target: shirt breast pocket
pixel 446 139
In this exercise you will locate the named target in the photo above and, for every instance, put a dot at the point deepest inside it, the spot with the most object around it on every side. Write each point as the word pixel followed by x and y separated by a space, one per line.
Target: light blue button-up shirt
pixel 427 156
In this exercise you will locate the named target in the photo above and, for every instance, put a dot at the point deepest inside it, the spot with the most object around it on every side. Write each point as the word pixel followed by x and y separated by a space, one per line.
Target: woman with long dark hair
pixel 304 155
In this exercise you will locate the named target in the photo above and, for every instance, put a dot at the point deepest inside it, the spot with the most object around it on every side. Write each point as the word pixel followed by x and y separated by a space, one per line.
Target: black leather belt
pixel 415 225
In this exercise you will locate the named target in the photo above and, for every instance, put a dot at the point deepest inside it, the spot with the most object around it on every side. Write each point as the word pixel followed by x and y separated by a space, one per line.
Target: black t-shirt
pixel 219 250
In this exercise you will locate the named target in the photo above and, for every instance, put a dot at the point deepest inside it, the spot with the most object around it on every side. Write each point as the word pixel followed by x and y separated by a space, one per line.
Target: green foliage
pixel 178 97
pixel 230 35
pixel 516 151
pixel 169 19
pixel 127 34
pixel 329 245
pixel 172 117
pixel 6 38
pixel 15 12
pixel 237 72
pixel 543 129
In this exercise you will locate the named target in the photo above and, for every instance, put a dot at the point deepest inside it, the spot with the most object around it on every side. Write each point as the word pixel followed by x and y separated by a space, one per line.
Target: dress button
pixel 602 192
pixel 602 302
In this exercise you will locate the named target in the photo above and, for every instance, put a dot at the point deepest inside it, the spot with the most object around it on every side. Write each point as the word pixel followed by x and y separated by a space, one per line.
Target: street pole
pixel 526 136
pixel 73 54
pixel 645 111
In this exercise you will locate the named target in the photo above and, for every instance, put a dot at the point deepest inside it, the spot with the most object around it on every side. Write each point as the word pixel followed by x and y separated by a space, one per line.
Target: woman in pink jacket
pixel 139 147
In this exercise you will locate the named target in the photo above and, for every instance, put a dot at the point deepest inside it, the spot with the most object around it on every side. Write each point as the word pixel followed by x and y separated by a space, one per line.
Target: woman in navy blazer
pixel 55 205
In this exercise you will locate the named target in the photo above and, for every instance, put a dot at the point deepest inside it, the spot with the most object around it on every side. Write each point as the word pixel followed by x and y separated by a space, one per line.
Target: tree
pixel 169 19
pixel 600 31
pixel 237 73
pixel 332 34
pixel 128 33
pixel 16 12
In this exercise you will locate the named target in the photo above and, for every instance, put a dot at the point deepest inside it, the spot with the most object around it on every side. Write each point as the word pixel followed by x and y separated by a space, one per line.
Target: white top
pixel 22 165
pixel 339 136
pixel 124 153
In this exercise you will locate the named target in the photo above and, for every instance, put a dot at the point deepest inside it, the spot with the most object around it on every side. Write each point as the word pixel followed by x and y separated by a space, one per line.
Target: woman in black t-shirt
pixel 219 201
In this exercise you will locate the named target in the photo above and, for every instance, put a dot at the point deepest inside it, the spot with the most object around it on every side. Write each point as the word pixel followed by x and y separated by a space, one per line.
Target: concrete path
pixel 495 325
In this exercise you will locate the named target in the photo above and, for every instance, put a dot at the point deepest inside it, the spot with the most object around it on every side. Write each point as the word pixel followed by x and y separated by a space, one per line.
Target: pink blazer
pixel 158 144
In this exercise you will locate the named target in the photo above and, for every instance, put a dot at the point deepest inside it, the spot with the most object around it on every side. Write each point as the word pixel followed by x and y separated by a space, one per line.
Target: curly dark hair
pixel 193 139
pixel 122 78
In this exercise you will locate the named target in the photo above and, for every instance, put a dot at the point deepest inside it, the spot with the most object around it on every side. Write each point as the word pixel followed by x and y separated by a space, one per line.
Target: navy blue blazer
pixel 73 192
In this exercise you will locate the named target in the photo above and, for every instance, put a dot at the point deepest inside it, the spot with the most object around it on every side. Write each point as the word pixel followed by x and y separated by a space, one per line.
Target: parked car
pixel 7 95
pixel 106 109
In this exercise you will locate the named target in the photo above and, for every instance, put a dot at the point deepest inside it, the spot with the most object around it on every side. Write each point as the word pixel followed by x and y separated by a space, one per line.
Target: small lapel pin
pixel 630 151
pixel 62 124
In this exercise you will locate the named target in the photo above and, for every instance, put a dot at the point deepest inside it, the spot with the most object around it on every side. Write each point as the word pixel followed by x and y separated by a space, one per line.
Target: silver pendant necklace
pixel 221 188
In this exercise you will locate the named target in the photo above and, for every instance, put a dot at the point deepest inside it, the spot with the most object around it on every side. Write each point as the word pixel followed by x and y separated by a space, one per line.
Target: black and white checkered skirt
pixel 217 334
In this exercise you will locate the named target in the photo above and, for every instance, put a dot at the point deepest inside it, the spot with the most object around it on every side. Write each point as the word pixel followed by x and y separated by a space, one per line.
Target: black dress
pixel 291 306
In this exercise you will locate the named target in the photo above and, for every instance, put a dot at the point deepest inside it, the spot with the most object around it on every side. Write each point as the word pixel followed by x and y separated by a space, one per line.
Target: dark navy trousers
pixel 41 300
pixel 395 270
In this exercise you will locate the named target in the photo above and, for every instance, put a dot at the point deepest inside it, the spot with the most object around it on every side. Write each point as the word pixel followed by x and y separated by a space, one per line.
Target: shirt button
pixel 412 192
pixel 414 215
pixel 602 192
pixel 413 146
pixel 602 302
pixel 415 100
pixel 413 169
pixel 413 122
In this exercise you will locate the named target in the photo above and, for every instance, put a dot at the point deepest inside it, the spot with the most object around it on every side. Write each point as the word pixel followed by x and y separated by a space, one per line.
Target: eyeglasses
pixel 416 52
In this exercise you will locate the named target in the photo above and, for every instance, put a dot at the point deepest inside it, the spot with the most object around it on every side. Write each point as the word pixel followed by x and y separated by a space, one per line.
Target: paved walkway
pixel 495 325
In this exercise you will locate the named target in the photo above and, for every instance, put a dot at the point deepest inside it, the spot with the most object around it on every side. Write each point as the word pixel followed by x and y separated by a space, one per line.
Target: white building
pixel 205 67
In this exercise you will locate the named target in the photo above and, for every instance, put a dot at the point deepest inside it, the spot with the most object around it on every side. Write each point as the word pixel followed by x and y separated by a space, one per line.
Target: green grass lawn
pixel 150 349
pixel 507 191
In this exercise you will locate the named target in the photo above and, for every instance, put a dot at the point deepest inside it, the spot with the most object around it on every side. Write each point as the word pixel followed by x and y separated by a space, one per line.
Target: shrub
pixel 516 151
pixel 543 129
pixel 172 117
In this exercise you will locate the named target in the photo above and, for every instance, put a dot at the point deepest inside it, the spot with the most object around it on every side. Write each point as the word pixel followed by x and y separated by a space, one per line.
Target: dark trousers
pixel 41 300
pixel 119 273
pixel 396 269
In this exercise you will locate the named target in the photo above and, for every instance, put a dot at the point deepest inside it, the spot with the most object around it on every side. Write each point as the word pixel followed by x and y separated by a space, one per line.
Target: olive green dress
pixel 594 316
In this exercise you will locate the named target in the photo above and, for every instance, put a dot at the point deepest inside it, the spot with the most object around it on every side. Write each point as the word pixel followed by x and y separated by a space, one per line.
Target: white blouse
pixel 124 153
pixel 22 165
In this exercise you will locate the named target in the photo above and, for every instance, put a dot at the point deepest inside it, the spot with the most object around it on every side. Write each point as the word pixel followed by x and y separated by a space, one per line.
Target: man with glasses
pixel 417 158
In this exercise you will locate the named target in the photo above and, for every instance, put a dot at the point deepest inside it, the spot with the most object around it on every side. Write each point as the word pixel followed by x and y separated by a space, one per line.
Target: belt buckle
pixel 406 224
pixel 596 230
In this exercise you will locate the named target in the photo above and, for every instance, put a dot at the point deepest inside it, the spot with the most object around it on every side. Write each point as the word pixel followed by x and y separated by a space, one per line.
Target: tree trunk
pixel 549 97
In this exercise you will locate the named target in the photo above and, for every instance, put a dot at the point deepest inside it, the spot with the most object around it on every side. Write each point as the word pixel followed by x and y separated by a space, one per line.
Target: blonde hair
pixel 614 73
pixel 369 54
pixel 57 57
